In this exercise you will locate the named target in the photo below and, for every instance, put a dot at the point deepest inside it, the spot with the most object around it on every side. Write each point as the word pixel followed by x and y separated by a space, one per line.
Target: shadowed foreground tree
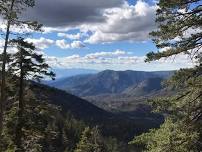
pixel 179 32
pixel 10 11
pixel 27 65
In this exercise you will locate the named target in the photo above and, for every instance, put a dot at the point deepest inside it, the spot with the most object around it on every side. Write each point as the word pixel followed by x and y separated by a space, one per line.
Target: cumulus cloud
pixel 41 43
pixel 130 23
pixel 64 45
pixel 119 60
pixel 77 44
pixel 107 20
pixel 105 54
pixel 72 36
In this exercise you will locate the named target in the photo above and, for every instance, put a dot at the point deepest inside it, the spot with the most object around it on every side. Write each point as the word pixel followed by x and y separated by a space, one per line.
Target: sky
pixel 99 35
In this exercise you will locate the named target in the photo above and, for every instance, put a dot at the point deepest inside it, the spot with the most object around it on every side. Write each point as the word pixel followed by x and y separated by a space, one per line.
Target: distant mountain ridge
pixel 113 82
pixel 64 73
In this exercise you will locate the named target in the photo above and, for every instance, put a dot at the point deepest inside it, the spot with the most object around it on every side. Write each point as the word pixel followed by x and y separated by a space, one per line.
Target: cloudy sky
pixel 98 34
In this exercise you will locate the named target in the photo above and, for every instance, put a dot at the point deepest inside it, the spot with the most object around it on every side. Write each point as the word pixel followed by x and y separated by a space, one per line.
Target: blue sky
pixel 98 35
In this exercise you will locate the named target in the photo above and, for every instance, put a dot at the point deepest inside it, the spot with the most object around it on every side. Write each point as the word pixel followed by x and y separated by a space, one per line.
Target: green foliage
pixel 27 63
pixel 169 137
pixel 182 129
pixel 176 19
pixel 91 141
pixel 45 128
pixel 10 11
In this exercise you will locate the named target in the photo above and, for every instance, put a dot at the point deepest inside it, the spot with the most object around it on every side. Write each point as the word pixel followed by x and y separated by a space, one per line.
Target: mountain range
pixel 117 91
pixel 113 82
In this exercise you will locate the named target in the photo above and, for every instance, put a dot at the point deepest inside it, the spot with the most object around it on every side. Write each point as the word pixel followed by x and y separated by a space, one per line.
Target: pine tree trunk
pixel 20 109
pixel 3 71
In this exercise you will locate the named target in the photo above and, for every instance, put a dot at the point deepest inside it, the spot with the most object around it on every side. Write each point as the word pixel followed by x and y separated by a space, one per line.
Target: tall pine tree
pixel 10 11
pixel 26 65
pixel 179 32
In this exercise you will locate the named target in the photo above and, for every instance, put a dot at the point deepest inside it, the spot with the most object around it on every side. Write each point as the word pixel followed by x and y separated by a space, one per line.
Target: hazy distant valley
pixel 117 91
pixel 110 97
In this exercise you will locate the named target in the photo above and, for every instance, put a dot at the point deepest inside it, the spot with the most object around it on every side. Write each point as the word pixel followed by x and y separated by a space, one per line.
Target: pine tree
pixel 27 65
pixel 179 32
pixel 10 11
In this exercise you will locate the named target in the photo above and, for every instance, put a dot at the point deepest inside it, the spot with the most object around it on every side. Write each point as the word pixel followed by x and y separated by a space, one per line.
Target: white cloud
pixel 117 21
pixel 105 54
pixel 41 43
pixel 126 23
pixel 64 45
pixel 77 44
pixel 122 22
pixel 70 36
pixel 119 60
pixel 46 29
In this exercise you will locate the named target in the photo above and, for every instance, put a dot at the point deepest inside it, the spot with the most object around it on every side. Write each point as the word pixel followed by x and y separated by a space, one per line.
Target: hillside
pixel 113 124
pixel 78 107
pixel 54 116
pixel 145 88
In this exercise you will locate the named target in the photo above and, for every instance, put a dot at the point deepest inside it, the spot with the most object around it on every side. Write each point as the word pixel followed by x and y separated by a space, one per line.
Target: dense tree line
pixel 180 23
